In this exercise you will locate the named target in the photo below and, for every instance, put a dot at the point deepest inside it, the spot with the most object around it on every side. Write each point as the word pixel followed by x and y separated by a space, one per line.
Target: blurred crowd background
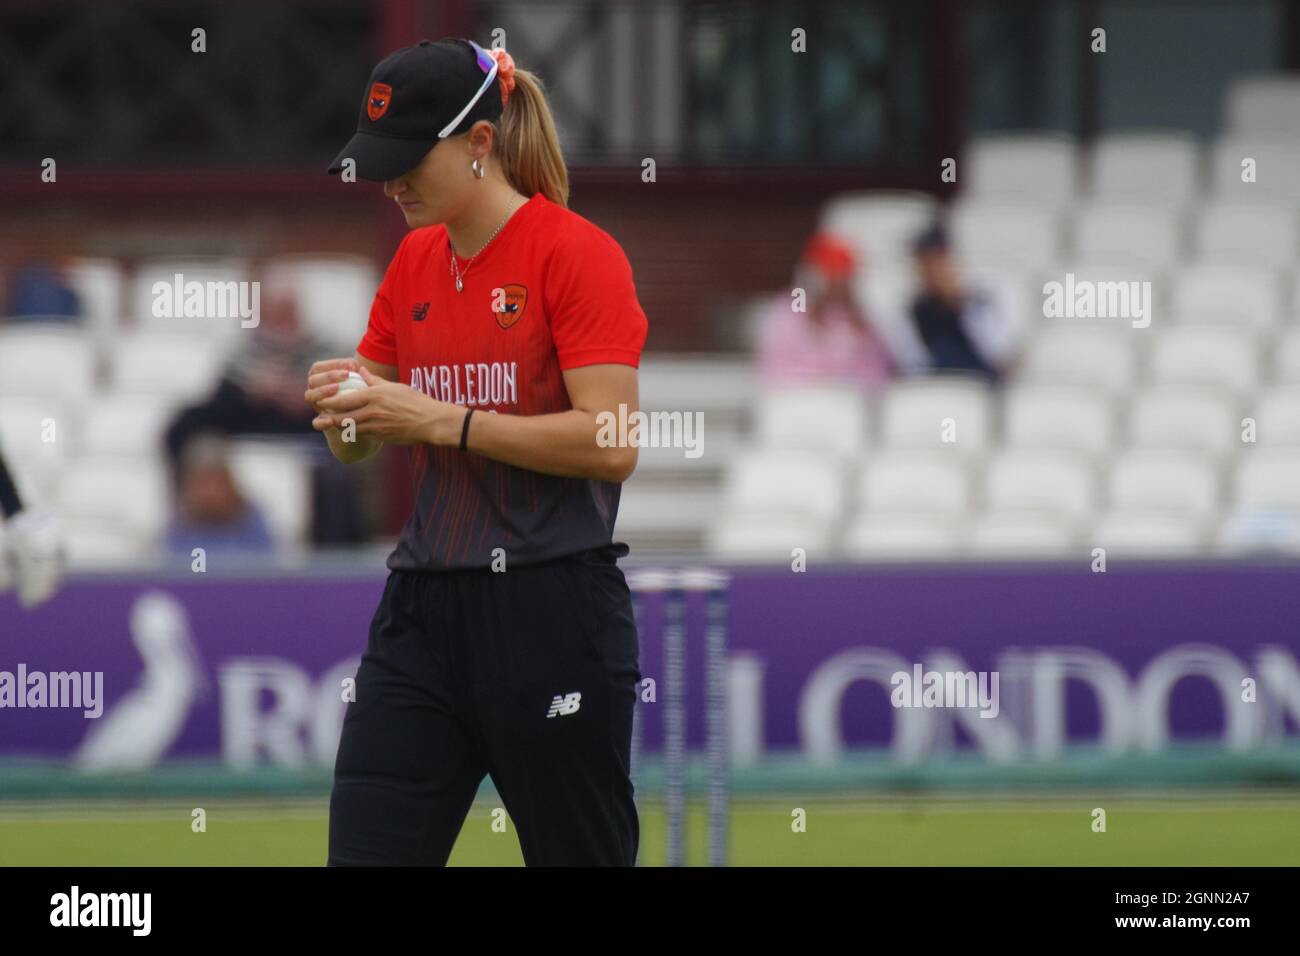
pixel 821 171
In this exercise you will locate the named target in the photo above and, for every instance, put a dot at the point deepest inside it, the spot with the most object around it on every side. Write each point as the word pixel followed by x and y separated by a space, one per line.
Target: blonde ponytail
pixel 528 147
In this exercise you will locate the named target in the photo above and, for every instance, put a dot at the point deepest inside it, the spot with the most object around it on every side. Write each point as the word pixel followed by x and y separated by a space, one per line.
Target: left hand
pixel 34 554
pixel 393 412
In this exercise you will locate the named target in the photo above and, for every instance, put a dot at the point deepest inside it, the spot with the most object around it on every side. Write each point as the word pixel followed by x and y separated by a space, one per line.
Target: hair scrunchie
pixel 505 73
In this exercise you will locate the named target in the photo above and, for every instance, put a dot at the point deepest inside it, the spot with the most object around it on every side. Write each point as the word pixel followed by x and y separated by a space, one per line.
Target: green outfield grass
pixel 1047 831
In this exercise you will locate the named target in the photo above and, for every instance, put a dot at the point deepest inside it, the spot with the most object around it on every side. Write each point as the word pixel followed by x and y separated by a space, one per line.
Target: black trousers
pixel 527 675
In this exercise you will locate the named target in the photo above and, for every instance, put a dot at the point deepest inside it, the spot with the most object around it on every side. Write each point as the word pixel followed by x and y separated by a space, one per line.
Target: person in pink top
pixel 831 340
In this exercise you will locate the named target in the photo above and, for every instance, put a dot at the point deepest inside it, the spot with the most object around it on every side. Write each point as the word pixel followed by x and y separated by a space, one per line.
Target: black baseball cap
pixel 416 97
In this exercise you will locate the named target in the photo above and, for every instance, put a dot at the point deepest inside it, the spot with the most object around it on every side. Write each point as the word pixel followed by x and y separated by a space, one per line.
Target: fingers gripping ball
pixel 350 384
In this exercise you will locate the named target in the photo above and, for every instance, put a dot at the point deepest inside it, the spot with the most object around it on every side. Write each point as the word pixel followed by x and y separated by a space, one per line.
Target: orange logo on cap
pixel 381 94
pixel 516 297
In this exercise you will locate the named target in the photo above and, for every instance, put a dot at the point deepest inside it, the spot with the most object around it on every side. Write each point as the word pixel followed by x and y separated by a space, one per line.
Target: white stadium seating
pixel 1061 483
pixel 1088 353
pixel 1151 167
pixel 1275 160
pixel 1264 235
pixel 1241 295
pixel 944 413
pixel 1065 417
pixel 1171 481
pixel 826 418
pixel 1184 418
pixel 1021 534
pixel 1038 168
pixel 792 482
pixel 1263 104
pixel 1143 236
pixel 1005 234
pixel 1217 355
pixel 46 360
pixel 929 482
pixel 901 536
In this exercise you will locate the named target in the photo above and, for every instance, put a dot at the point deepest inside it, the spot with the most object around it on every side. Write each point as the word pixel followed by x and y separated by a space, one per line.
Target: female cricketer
pixel 505 329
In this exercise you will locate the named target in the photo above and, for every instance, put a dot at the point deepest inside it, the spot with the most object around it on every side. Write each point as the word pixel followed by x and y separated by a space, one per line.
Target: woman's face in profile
pixel 438 188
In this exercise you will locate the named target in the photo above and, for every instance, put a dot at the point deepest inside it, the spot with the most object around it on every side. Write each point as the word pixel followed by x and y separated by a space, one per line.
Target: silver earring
pixel 478 169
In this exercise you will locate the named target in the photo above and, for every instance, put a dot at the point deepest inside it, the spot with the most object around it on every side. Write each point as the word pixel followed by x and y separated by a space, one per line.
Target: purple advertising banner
pixel 1010 663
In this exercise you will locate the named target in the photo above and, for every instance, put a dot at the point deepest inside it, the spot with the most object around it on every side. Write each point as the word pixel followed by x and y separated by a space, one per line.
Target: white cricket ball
pixel 353 382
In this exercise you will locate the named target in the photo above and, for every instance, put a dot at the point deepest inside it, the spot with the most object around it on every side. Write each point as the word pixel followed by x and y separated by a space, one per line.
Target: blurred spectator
pixel 260 391
pixel 40 291
pixel 832 341
pixel 211 513
pixel 962 327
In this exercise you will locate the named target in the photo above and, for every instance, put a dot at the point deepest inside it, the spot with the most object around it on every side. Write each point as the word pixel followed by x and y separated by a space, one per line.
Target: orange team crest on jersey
pixel 381 94
pixel 516 297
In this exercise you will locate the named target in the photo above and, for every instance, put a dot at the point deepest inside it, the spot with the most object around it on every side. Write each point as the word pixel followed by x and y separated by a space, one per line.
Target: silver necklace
pixel 456 269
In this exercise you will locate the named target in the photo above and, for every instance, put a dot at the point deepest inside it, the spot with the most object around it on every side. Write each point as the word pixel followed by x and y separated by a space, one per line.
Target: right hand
pixel 323 379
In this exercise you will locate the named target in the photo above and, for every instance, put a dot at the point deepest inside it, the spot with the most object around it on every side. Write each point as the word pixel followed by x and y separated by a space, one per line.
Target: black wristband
pixel 464 431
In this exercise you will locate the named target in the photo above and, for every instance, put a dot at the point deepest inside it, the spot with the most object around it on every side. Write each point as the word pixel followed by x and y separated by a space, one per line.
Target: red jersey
pixel 550 292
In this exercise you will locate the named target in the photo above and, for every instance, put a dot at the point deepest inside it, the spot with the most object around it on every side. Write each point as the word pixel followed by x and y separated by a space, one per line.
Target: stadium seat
pixel 1261 531
pixel 1268 478
pixel 128 490
pixel 1239 295
pixel 879 224
pixel 1159 166
pixel 1268 103
pixel 1020 534
pixel 1184 418
pixel 928 482
pixel 333 293
pixel 826 418
pixel 26 424
pixel 1277 416
pixel 1251 234
pixel 1142 236
pixel 1004 234
pixel 790 482
pixel 665 512
pixel 945 413
pixel 1055 482
pixel 1205 354
pixel 1286 356
pixel 703 382
pixel 900 536
pixel 1057 417
pixel 164 364
pixel 768 537
pixel 129 424
pixel 275 474
pixel 1180 482
pixel 98 284
pixel 1276 160
pixel 1092 353
pixel 1147 534
pixel 38 361
pixel 1037 168
pixel 220 334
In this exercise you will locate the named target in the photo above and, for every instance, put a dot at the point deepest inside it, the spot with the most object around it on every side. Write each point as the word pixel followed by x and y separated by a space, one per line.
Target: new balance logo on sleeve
pixel 564 704
pixel 419 311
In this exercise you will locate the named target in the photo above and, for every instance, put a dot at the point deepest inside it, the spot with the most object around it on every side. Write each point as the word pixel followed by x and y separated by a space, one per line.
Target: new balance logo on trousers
pixel 564 704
